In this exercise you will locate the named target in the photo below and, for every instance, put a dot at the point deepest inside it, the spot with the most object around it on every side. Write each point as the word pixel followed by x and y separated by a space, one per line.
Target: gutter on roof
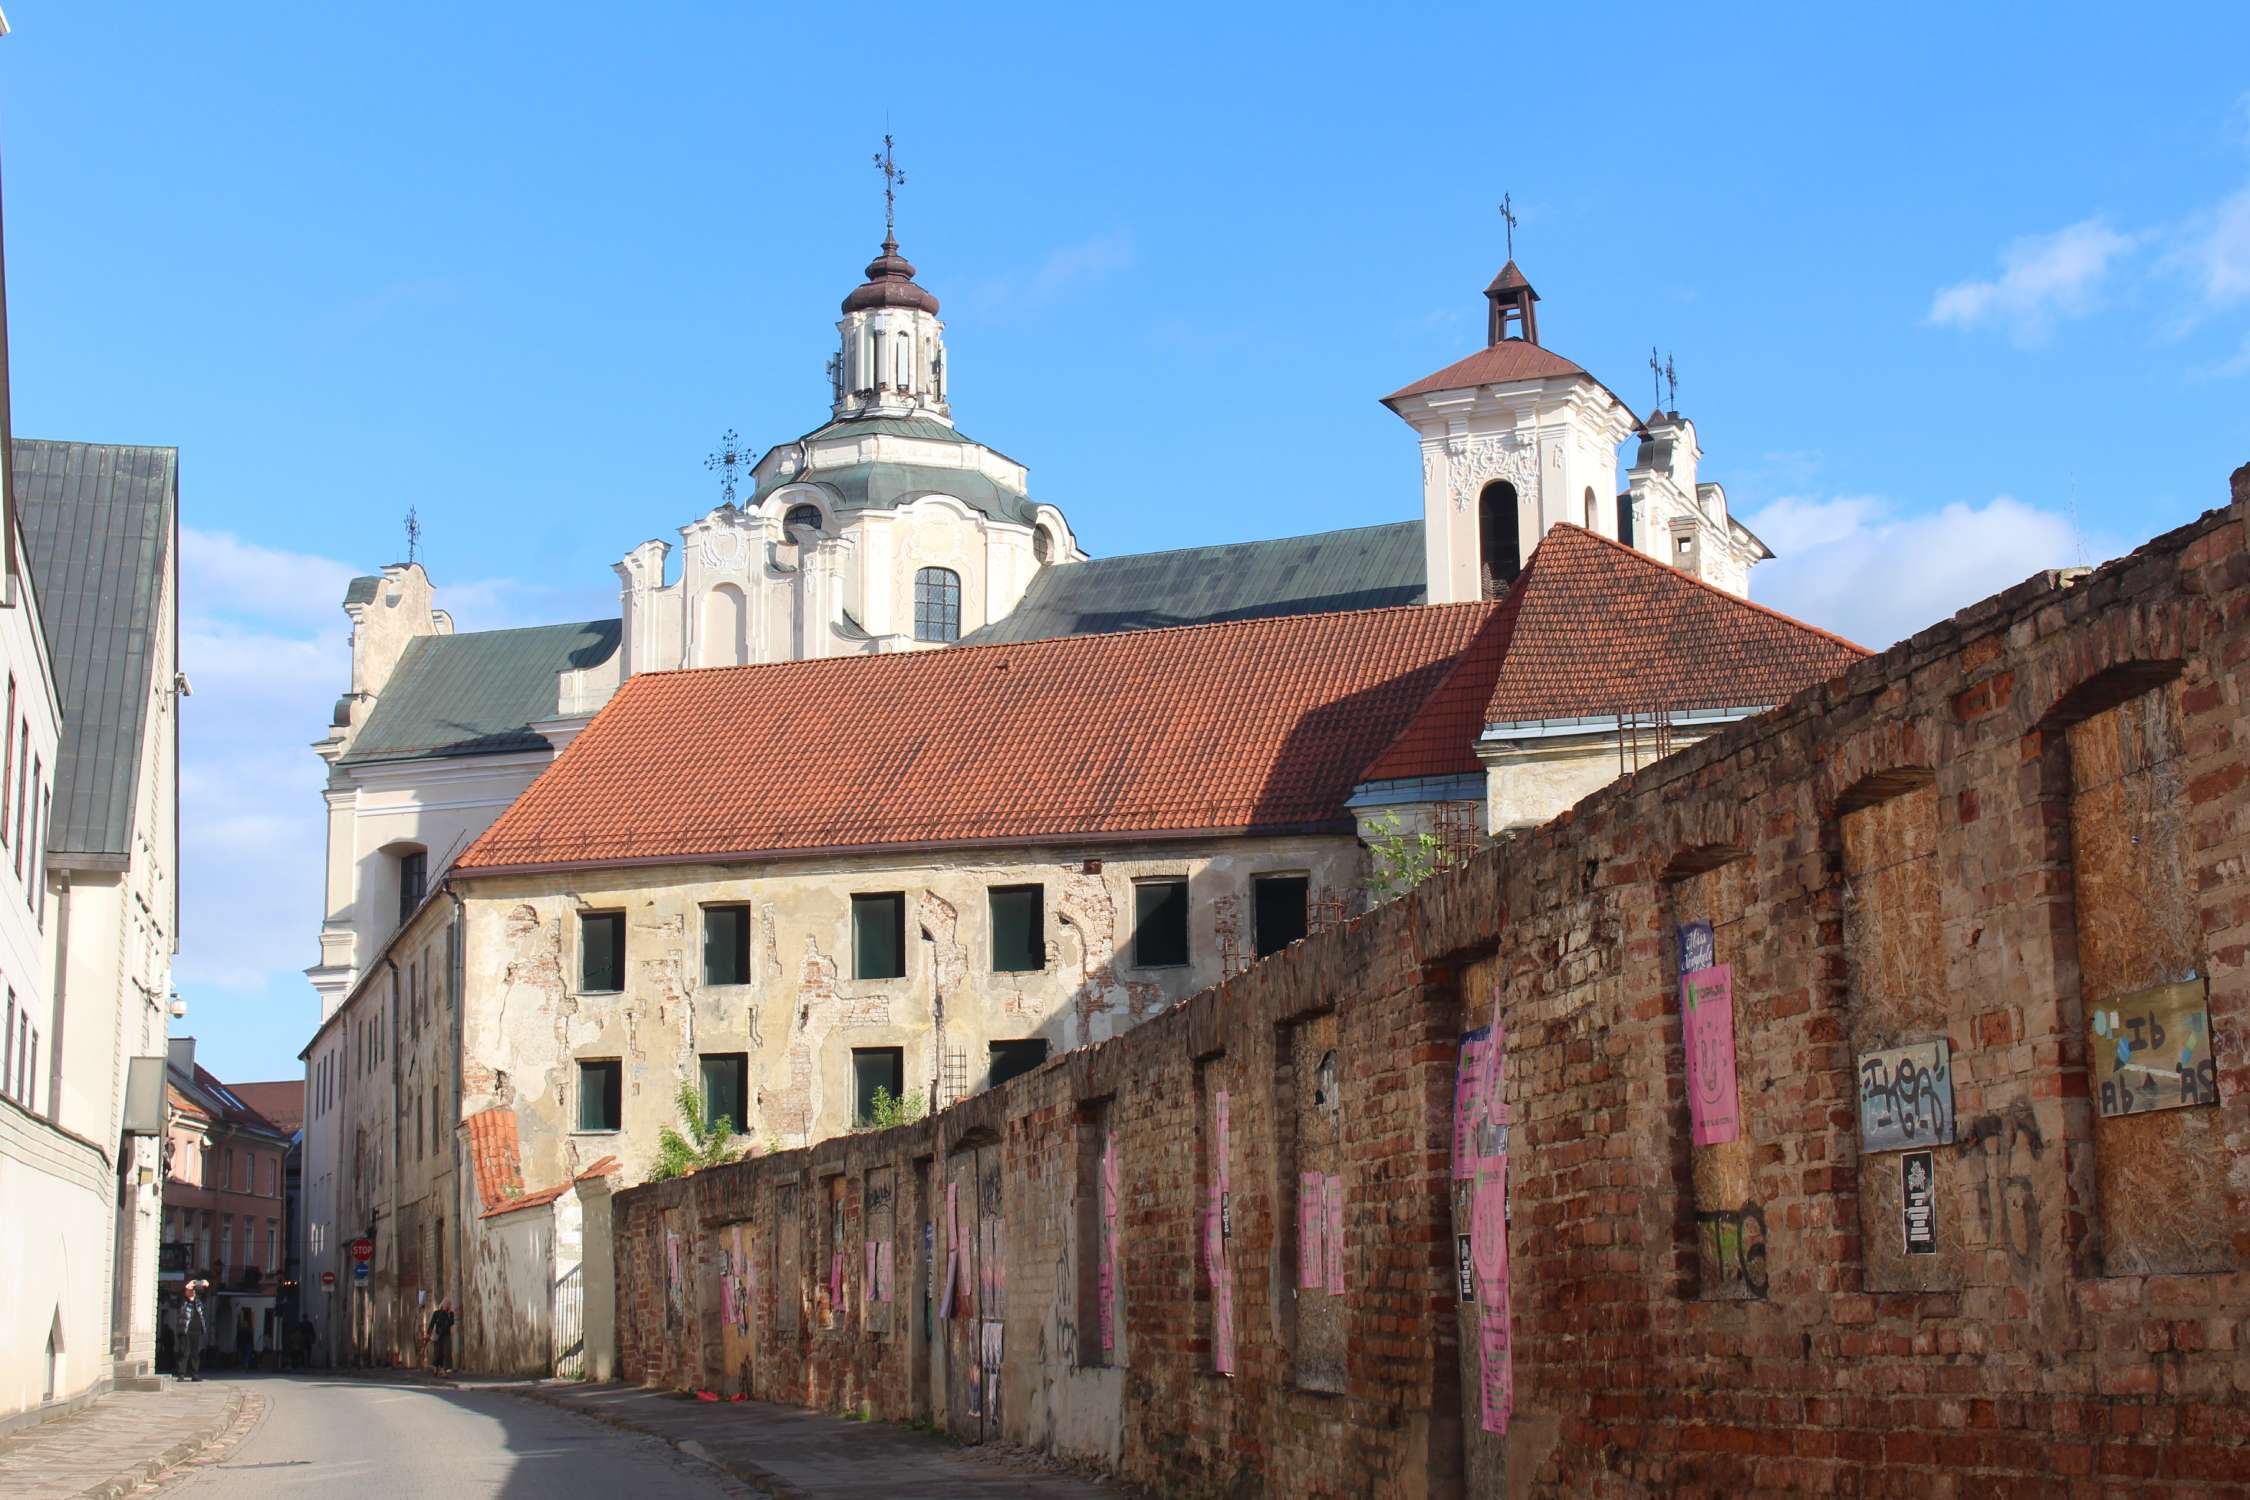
pixel 920 846
pixel 1466 787
pixel 1678 718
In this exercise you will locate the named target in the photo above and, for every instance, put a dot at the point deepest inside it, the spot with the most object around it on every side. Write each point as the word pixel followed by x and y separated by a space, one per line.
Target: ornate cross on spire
pixel 1508 213
pixel 731 463
pixel 1656 377
pixel 893 180
pixel 413 533
pixel 1671 384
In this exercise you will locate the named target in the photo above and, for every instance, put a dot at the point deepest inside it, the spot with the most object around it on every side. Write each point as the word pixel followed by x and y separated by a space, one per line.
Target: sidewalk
pixel 803 1455
pixel 111 1446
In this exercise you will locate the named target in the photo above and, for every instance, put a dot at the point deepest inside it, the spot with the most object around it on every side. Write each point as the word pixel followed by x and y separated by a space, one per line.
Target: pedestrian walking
pixel 245 1341
pixel 195 1327
pixel 441 1337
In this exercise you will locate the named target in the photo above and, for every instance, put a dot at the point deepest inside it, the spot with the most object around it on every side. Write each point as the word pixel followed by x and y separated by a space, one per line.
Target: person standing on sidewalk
pixel 441 1337
pixel 195 1327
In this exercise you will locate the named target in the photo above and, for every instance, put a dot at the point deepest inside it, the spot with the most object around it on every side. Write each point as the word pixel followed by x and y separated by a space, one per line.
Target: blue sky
pixel 1954 296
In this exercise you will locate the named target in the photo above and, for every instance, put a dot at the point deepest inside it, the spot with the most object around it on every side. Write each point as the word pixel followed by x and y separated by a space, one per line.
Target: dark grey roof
pixel 361 590
pixel 98 520
pixel 1369 567
pixel 477 694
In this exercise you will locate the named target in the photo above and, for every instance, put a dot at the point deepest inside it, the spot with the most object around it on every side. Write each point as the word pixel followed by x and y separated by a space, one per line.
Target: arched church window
pixel 874 361
pixel 1042 545
pixel 1625 518
pixel 1593 517
pixel 903 376
pixel 801 518
pixel 1499 545
pixel 937 605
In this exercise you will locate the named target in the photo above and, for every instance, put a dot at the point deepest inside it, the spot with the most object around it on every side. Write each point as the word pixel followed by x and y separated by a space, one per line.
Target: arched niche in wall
pixel 722 637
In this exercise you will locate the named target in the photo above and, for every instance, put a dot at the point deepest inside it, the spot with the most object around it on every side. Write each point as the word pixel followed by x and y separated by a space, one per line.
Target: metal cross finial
pixel 1672 383
pixel 1508 212
pixel 731 462
pixel 893 180
pixel 1656 377
pixel 413 533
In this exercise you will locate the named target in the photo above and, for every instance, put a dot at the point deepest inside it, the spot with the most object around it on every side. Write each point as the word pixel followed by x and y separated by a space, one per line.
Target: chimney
pixel 182 1054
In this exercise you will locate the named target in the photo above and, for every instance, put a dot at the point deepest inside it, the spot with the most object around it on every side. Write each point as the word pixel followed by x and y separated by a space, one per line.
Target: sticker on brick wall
pixel 1917 1201
pixel 1332 1197
pixel 1218 1228
pixel 1464 1269
pixel 1312 1224
pixel 1906 1097
pixel 1488 1250
pixel 1109 1241
pixel 1707 1027
pixel 2152 1050
pixel 1698 948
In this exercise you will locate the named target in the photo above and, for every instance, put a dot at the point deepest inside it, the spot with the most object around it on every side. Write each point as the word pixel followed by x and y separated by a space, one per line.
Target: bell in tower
pixel 1513 314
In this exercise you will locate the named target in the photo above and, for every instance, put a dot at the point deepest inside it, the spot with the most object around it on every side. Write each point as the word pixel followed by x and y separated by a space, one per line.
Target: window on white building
pixel 937 605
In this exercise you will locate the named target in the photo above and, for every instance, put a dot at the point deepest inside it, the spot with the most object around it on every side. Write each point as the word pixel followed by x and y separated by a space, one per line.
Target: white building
pixel 90 928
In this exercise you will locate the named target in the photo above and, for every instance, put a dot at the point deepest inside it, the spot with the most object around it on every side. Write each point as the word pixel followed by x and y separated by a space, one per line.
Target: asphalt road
pixel 372 1441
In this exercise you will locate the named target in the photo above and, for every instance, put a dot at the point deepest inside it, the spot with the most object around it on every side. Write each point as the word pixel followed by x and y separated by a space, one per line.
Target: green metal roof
pixel 883 484
pixel 98 521
pixel 477 694
pixel 1368 567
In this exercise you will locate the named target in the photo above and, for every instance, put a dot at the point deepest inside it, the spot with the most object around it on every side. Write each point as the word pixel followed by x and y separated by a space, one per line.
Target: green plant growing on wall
pixel 700 1144
pixel 885 1109
pixel 1400 859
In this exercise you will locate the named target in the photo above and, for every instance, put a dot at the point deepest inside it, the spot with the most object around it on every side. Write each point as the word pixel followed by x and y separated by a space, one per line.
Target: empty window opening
pixel 726 1090
pixel 801 518
pixel 875 1069
pixel 1019 936
pixel 879 935
pixel 601 952
pixel 937 605
pixel 1014 1059
pixel 1625 518
pixel 1160 923
pixel 1499 542
pixel 1593 515
pixel 601 1094
pixel 1278 911
pixel 726 945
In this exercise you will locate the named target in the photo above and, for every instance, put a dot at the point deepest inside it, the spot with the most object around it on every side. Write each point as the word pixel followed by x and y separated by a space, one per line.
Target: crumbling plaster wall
pixel 527 1022
pixel 2065 763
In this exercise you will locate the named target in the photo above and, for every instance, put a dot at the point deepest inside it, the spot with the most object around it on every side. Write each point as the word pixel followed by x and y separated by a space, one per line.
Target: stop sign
pixel 363 1249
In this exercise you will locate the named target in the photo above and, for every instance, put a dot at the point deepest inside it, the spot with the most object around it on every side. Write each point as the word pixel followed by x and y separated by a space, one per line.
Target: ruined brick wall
pixel 1981 1221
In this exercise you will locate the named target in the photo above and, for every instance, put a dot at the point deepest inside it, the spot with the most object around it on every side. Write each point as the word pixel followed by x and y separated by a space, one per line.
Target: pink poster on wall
pixel 1488 1253
pixel 1707 1029
pixel 1468 1092
pixel 1312 1227
pixel 1333 1196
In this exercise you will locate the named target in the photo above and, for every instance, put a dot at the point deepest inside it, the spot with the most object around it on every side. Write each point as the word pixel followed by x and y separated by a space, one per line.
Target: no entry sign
pixel 328 1278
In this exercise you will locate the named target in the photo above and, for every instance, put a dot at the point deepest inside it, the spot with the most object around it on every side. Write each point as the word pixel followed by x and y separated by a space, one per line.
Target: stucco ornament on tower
pixel 1474 462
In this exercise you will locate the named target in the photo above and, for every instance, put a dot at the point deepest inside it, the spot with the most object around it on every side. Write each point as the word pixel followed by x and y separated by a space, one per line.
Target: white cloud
pixel 1064 271
pixel 2215 252
pixel 1861 568
pixel 222 574
pixel 2043 278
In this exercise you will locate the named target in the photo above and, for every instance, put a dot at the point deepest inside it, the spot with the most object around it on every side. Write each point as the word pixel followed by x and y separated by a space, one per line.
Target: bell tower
pixel 892 360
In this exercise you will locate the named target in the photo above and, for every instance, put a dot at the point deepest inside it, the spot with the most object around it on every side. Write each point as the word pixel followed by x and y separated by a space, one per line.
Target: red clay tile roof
pixel 496 1156
pixel 282 1102
pixel 1259 725
pixel 1592 628
pixel 1510 359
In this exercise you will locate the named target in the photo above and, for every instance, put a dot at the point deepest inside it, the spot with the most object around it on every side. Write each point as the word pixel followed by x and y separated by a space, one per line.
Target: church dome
pixel 890 283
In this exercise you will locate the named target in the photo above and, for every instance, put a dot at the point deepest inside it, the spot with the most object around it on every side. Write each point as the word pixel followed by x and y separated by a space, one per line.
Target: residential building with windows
pixel 88 909
pixel 226 1209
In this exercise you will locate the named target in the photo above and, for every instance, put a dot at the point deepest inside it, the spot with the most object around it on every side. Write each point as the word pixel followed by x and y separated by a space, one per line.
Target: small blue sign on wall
pixel 1697 947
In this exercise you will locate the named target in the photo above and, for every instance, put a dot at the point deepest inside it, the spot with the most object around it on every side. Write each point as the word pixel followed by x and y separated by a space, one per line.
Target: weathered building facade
pixel 1853 1102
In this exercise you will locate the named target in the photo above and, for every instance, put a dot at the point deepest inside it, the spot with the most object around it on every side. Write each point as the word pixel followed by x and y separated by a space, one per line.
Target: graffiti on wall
pixel 1707 1028
pixel 1734 1245
pixel 2152 1050
pixel 1906 1097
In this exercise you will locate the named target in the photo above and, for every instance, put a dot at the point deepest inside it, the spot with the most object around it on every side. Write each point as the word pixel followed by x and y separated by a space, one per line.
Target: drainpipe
pixel 455 971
